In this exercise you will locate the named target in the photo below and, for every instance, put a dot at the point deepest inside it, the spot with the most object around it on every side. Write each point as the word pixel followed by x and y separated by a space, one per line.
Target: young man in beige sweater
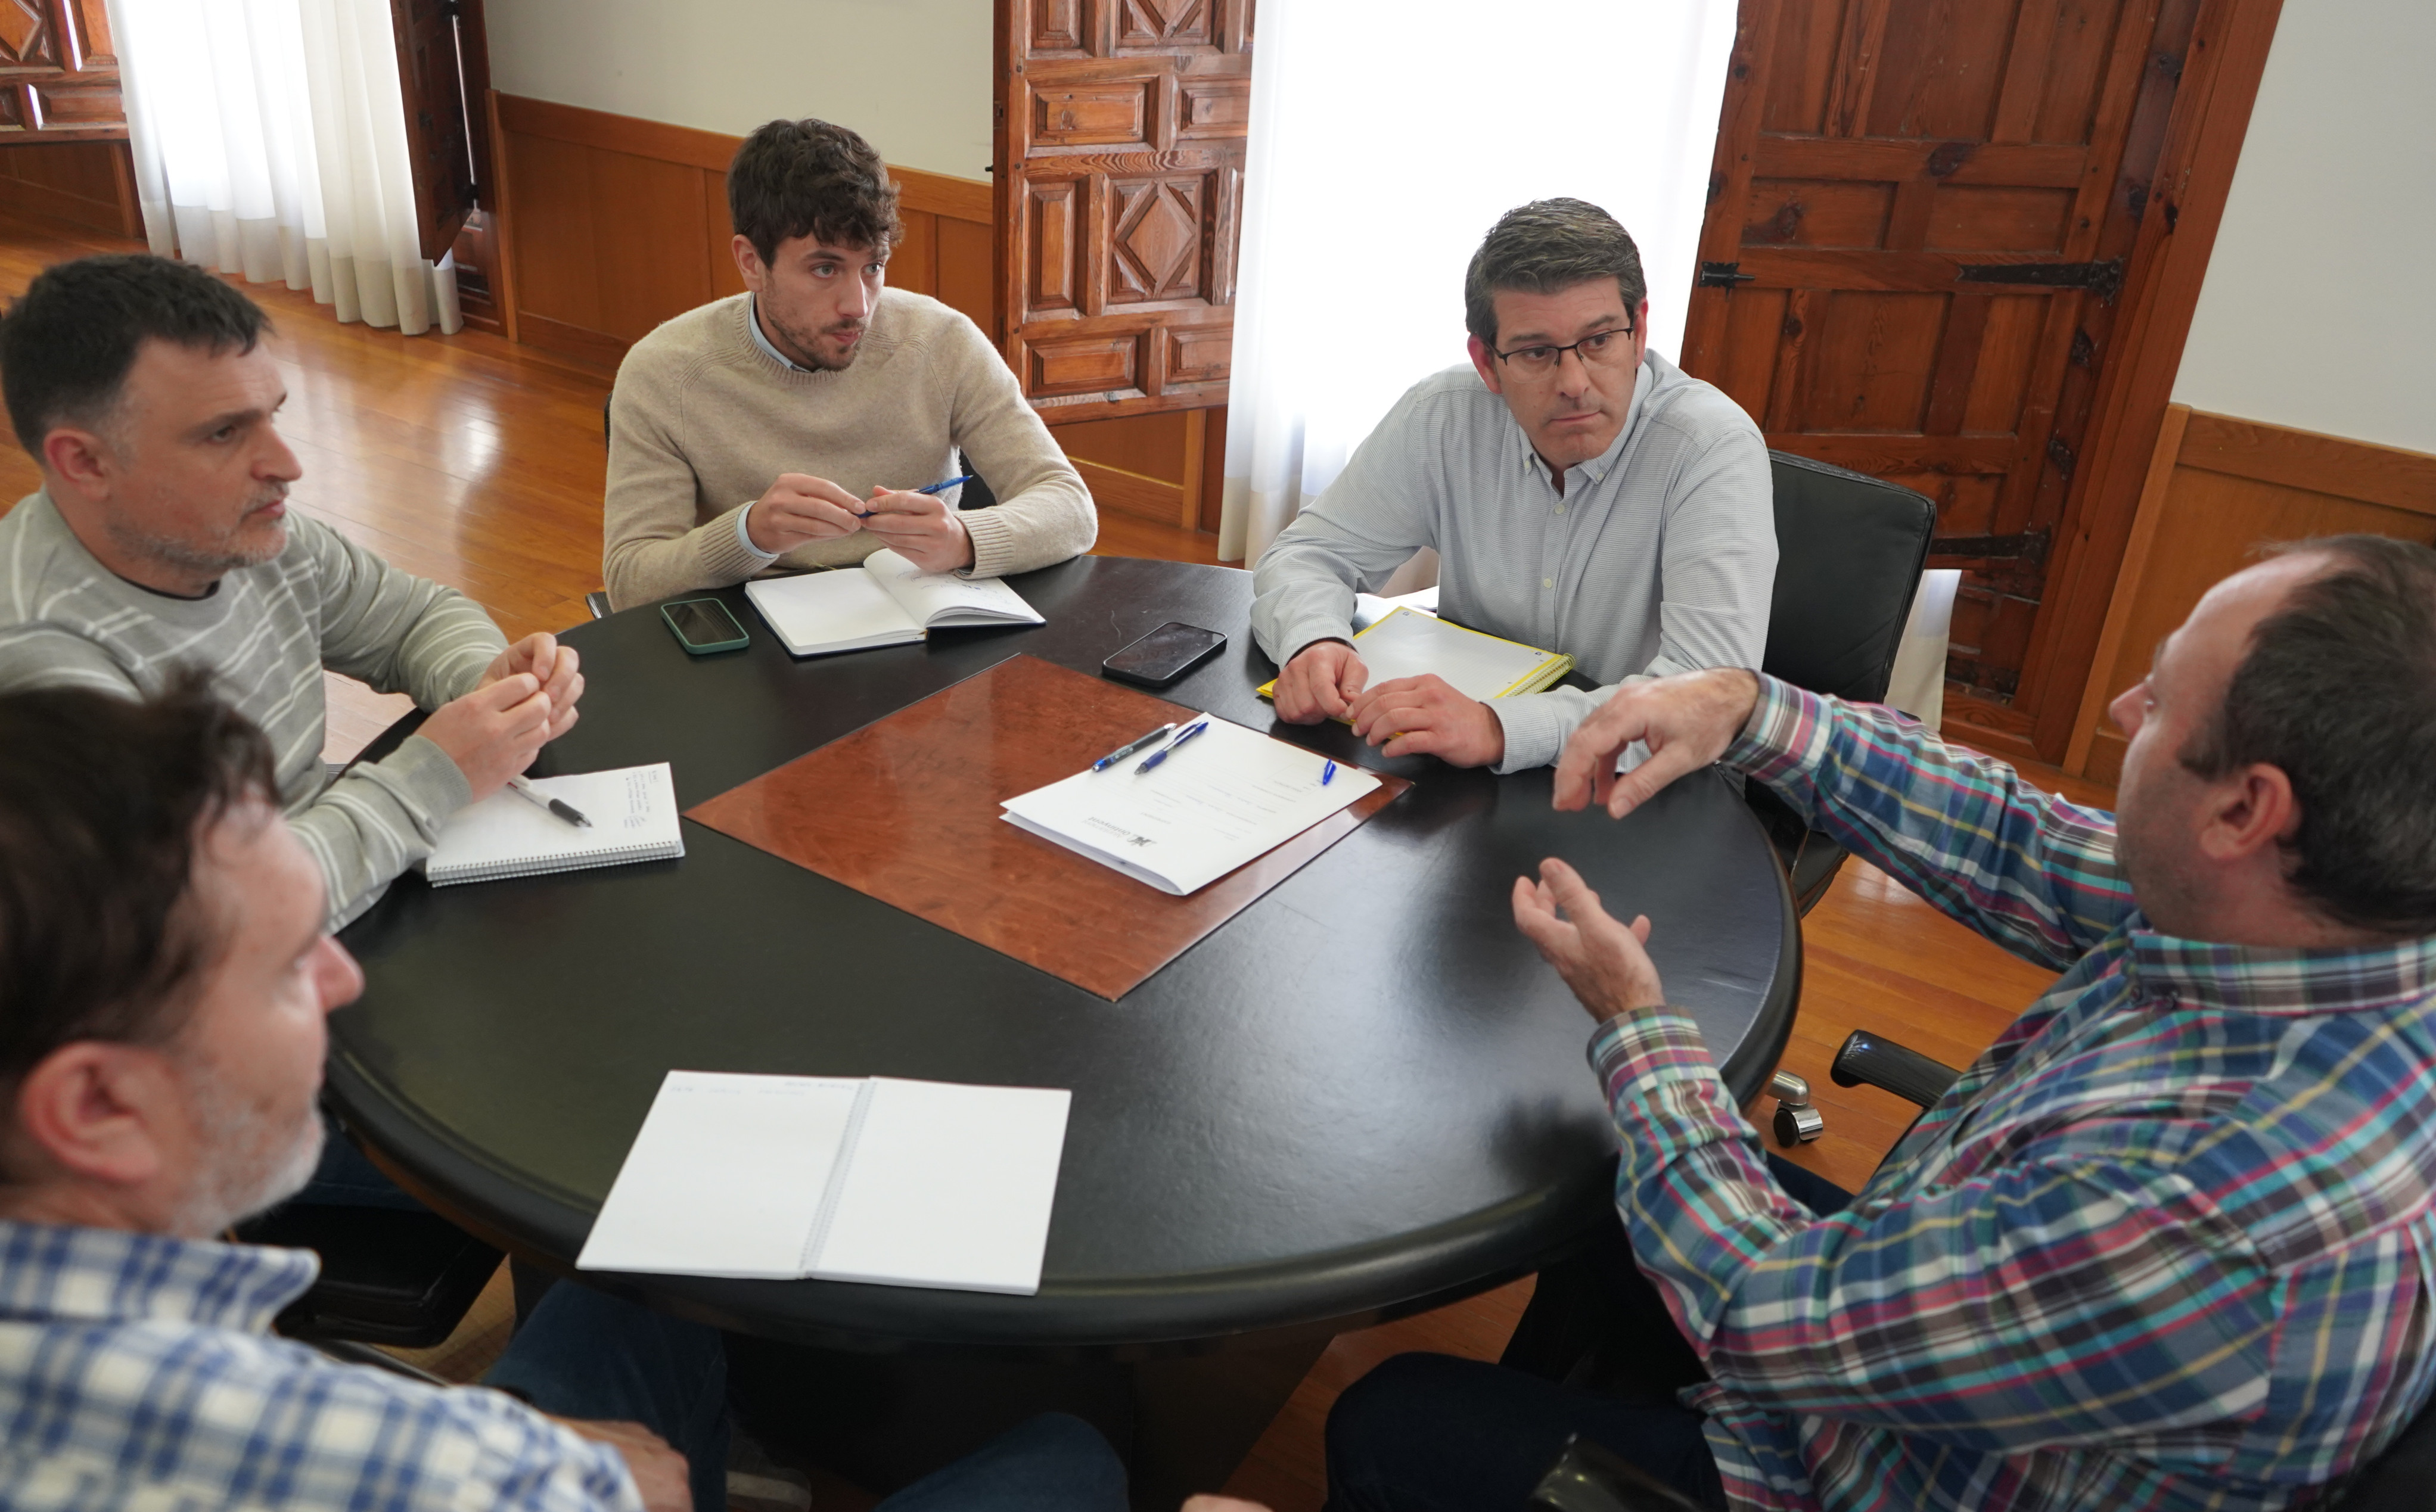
pixel 786 428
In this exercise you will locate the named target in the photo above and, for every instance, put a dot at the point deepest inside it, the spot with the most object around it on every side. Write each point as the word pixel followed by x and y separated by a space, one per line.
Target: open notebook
pixel 1407 642
pixel 887 602
pixel 840 1179
pixel 633 814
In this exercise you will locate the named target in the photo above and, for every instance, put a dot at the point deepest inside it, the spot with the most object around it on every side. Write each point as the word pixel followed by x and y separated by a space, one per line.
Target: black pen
pixel 558 805
pixel 1123 751
pixel 1168 749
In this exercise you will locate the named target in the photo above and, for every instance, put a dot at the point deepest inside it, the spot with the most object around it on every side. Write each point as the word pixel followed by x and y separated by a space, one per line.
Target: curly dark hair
pixel 811 179
pixel 103 800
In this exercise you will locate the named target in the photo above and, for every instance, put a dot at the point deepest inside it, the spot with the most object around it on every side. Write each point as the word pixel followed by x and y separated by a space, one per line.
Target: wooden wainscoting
pixel 610 224
pixel 2218 488
pixel 90 185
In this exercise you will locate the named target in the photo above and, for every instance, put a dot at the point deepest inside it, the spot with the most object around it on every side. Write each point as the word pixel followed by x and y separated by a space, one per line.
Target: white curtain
pixel 1381 153
pixel 270 142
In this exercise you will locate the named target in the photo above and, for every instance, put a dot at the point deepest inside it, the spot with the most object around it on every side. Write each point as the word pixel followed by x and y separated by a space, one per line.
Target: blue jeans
pixel 587 1354
pixel 346 1178
pixel 1426 1431
pixel 1051 1464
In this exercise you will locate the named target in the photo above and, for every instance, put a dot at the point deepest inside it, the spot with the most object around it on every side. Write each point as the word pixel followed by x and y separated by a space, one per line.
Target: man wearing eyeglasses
pixel 1583 494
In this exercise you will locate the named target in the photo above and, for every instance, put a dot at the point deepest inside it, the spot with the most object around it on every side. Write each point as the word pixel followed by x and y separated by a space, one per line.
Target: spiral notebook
pixel 633 814
pixel 872 1179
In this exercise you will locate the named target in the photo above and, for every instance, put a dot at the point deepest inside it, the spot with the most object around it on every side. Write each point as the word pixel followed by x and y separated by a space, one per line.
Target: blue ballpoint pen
pixel 1130 747
pixel 941 488
pixel 1327 775
pixel 1168 749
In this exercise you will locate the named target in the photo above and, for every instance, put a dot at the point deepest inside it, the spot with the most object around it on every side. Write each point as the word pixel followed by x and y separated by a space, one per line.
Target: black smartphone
pixel 703 626
pixel 1163 655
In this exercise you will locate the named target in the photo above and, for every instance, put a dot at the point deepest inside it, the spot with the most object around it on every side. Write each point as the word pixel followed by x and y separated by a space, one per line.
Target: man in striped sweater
pixel 161 537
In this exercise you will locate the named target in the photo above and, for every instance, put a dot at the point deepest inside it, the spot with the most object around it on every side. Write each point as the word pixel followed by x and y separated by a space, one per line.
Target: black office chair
pixel 388 1276
pixel 1849 551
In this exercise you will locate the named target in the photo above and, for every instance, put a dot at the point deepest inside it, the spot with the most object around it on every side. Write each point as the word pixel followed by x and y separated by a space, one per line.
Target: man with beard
pixel 162 537
pixel 165 971
pixel 789 428
pixel 2169 1242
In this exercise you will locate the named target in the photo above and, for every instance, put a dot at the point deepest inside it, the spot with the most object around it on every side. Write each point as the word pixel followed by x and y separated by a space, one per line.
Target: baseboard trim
pixel 594 347
pixel 1131 493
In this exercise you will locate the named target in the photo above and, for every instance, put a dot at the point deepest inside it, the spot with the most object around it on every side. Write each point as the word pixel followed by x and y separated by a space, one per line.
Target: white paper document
pixel 887 602
pixel 1406 642
pixel 874 1179
pixel 1223 798
pixel 633 814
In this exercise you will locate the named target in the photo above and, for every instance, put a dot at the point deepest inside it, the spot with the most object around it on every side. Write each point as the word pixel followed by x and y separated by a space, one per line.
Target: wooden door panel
pixel 1120 159
pixel 59 73
pixel 439 129
pixel 1915 236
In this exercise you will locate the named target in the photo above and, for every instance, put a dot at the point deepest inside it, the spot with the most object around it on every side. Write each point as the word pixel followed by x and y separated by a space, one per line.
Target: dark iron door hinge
pixel 1722 276
pixel 2030 547
pixel 2103 278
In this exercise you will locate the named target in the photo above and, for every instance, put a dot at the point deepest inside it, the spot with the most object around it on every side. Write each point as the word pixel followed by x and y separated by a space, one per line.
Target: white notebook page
pixel 948 1185
pixel 631 808
pixel 1406 643
pixel 942 599
pixel 1226 797
pixel 846 609
pixel 725 1176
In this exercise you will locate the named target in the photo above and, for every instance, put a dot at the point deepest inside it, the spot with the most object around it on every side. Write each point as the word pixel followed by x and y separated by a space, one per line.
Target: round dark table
pixel 1363 1096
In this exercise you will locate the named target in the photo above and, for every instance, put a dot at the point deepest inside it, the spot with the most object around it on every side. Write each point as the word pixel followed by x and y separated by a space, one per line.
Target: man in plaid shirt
pixel 2169 1242
pixel 164 969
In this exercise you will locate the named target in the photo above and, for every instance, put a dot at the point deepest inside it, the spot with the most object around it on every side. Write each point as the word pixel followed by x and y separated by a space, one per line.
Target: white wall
pixel 912 76
pixel 2317 311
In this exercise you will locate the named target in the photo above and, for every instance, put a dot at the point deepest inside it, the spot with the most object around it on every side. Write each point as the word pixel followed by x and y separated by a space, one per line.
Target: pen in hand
pixel 1168 749
pixel 564 809
pixel 932 488
pixel 1123 751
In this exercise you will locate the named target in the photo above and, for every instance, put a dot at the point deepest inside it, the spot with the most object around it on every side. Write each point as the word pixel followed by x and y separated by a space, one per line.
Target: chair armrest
pixel 1882 1063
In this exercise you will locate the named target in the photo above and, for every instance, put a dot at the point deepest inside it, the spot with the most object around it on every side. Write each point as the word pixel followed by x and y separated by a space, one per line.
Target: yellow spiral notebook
pixel 1405 642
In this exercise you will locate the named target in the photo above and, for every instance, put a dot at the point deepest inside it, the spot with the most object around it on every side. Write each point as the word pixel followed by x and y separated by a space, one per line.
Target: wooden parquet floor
pixel 479 463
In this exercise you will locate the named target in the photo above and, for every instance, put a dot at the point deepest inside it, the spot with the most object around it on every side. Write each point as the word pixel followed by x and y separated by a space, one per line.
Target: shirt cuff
pixel 1649 1046
pixel 1535 729
pixel 993 537
pixel 1786 732
pixel 744 537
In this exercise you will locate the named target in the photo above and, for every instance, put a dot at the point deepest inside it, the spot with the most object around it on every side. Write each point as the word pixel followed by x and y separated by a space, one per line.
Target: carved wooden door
pixel 59 73
pixel 1916 232
pixel 430 77
pixel 1120 181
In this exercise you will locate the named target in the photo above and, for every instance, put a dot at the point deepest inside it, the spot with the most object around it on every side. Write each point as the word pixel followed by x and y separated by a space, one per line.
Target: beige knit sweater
pixel 703 421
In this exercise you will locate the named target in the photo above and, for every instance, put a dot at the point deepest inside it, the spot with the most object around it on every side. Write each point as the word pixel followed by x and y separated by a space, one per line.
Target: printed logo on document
pixel 1118 831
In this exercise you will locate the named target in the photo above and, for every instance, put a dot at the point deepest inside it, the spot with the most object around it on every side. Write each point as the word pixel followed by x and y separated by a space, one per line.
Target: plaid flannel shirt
pixel 136 1372
pixel 2168 1245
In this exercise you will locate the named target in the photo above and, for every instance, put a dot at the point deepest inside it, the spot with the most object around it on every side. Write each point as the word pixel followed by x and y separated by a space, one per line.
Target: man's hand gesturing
pixel 1318 683
pixel 1600 959
pixel 1688 720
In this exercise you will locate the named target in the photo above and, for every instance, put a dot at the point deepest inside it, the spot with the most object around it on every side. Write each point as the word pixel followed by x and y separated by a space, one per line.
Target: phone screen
pixel 1165 653
pixel 705 622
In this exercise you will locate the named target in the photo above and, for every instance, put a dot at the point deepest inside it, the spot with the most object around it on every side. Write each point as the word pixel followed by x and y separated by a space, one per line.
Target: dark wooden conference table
pixel 1362 1097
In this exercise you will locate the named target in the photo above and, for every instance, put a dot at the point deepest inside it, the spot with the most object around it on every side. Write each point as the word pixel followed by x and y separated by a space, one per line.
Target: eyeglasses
pixel 1598 348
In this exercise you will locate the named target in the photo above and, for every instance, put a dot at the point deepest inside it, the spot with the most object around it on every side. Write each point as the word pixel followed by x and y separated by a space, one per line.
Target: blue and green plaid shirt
pixel 2168 1244
pixel 136 1372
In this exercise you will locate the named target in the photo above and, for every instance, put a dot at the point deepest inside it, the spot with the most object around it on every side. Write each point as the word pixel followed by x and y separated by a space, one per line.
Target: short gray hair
pixel 1545 246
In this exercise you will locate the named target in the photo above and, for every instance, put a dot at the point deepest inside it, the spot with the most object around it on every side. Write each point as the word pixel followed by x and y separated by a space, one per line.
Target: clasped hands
pixel 525 699
pixel 1688 722
pixel 917 526
pixel 1406 715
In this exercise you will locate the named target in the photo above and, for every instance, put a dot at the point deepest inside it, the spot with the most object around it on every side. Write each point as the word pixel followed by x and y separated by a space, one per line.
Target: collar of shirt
pixel 762 338
pixel 1598 466
pixel 2259 980
pixel 52 1271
